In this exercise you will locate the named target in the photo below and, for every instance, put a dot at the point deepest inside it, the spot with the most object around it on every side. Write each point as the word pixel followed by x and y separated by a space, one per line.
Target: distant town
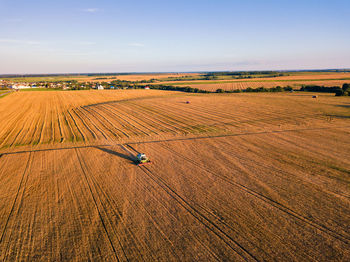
pixel 68 85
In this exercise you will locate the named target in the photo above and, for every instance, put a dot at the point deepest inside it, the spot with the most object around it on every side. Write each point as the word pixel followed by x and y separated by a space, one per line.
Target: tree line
pixel 337 90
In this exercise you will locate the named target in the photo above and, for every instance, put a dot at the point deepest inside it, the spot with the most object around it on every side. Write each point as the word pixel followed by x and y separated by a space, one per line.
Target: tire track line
pixel 103 115
pixel 169 118
pixel 42 131
pixel 59 125
pixel 77 127
pixel 114 112
pixel 96 205
pixel 108 116
pixel 270 201
pixel 17 194
pixel 161 119
pixel 176 139
pixel 73 136
pixel 110 202
pixel 158 227
pixel 86 114
pixel 156 126
pixel 18 198
pixel 240 250
pixel 80 117
pixel 98 117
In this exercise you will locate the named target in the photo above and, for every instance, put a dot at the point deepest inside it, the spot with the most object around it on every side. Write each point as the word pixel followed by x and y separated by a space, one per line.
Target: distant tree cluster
pixel 256 90
pixel 187 89
pixel 338 91
pixel 345 90
pixel 244 74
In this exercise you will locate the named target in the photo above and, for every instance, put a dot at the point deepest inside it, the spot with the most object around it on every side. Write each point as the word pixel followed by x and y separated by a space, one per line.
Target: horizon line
pixel 174 72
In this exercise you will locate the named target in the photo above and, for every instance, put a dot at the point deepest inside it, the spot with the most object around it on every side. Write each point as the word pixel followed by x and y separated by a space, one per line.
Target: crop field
pixel 267 84
pixel 234 177
pixel 140 77
pixel 99 78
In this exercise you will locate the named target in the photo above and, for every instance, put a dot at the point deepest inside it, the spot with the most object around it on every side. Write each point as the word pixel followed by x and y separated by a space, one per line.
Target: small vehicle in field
pixel 142 159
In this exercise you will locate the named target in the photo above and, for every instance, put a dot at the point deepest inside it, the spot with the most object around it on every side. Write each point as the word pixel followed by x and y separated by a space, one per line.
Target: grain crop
pixel 233 177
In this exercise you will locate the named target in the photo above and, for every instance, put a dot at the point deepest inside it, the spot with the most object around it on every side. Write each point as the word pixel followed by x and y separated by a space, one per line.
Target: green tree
pixel 346 87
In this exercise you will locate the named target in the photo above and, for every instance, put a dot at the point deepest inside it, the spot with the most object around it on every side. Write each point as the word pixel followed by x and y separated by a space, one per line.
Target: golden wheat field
pixel 140 77
pixel 233 177
pixel 255 84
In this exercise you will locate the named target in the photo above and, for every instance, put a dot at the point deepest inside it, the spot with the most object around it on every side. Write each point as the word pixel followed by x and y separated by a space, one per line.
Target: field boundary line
pixel 175 139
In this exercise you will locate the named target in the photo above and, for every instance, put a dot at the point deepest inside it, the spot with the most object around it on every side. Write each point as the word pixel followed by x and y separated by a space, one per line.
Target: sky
pixel 82 36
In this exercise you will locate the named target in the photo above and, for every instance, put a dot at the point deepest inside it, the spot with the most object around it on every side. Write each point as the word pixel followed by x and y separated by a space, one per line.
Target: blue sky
pixel 64 36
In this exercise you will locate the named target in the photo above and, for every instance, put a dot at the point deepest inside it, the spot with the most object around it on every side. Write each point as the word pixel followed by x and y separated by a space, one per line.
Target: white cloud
pixel 16 41
pixel 136 44
pixel 91 10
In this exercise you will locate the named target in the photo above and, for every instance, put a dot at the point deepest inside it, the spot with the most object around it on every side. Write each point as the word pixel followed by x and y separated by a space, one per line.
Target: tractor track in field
pixel 184 119
pixel 144 128
pixel 268 200
pixel 290 177
pixel 156 199
pixel 59 125
pixel 78 114
pixel 127 100
pixel 123 121
pixel 100 192
pixel 149 121
pixel 117 124
pixel 104 114
pixel 73 136
pixel 161 118
pixel 76 125
pixel 97 116
pixel 19 197
pixel 42 130
pixel 169 118
pixel 204 220
pixel 96 205
pixel 156 224
pixel 92 122
pixel 180 139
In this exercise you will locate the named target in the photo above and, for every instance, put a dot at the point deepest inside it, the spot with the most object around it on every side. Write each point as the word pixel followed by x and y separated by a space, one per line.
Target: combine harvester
pixel 142 159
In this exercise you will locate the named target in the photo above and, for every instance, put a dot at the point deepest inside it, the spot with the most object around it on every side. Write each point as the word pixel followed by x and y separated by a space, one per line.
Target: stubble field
pixel 212 87
pixel 233 177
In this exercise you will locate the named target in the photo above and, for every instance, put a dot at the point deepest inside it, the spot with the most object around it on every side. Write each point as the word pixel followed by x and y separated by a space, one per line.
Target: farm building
pixel 99 87
pixel 20 86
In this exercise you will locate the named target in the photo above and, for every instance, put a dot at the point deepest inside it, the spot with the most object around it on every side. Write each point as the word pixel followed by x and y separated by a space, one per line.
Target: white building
pixel 20 86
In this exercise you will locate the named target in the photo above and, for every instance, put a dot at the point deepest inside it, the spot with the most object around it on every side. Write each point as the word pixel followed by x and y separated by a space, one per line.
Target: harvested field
pixel 234 177
pixel 98 116
pixel 267 84
pixel 140 77
pixel 32 118
pixel 314 76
